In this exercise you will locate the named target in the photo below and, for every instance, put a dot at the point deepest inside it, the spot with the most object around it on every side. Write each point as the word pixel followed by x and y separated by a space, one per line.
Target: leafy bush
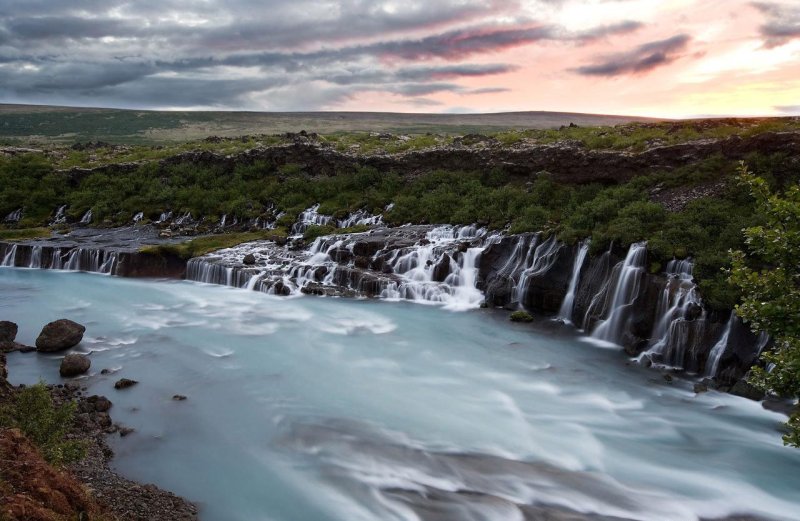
pixel 47 425
pixel 521 316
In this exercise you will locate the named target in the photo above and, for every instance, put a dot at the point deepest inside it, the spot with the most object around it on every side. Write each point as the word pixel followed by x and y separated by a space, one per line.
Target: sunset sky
pixel 664 58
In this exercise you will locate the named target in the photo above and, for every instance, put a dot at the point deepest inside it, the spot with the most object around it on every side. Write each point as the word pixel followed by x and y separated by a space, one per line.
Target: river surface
pixel 323 409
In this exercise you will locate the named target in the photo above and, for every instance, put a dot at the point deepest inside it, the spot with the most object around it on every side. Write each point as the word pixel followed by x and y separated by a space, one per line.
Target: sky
pixel 661 58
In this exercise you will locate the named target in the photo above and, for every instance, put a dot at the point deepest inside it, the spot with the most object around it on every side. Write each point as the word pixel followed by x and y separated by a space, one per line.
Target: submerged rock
pixel 179 397
pixel 74 364
pixel 59 335
pixel 747 390
pixel 8 331
pixel 520 316
pixel 124 383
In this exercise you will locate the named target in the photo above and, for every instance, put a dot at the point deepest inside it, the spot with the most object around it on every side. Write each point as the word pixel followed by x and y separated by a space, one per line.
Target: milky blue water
pixel 329 409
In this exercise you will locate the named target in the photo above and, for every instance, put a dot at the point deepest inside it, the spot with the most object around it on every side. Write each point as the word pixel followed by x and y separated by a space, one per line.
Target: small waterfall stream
pixel 87 217
pixel 628 280
pixel 716 353
pixel 567 307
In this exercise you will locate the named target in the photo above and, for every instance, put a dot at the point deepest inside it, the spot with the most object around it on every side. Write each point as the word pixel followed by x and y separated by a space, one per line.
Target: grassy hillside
pixel 26 124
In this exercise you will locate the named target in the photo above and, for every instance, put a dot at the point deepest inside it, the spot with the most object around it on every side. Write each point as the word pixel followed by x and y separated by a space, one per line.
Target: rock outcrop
pixel 59 335
pixel 74 365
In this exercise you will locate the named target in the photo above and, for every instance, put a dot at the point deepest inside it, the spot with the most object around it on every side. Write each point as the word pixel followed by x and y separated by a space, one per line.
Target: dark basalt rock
pixel 124 383
pixel 249 259
pixel 179 397
pixel 74 365
pixel 8 331
pixel 59 335
pixel 747 390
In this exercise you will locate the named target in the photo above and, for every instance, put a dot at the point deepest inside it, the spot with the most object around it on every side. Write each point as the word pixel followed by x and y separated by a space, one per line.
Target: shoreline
pixel 120 497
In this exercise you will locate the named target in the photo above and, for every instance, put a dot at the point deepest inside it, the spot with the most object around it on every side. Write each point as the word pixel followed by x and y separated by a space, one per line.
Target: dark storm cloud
pixel 782 23
pixel 159 53
pixel 642 59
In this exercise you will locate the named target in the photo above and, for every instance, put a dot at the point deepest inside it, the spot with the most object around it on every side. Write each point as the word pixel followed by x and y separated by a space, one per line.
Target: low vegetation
pixel 21 234
pixel 209 243
pixel 44 423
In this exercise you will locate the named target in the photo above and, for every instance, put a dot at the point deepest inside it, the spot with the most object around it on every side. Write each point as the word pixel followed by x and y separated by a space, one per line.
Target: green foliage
pixel 45 424
pixel 769 278
pixel 208 243
pixel 520 316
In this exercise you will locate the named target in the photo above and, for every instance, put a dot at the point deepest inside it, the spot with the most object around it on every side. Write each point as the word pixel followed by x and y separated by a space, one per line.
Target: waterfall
pixel 628 274
pixel 61 216
pixel 14 216
pixel 36 257
pixel 442 267
pixel 310 217
pixel 10 257
pixel 222 221
pixel 183 219
pixel 87 217
pixel 164 217
pixel 716 353
pixel 539 259
pixel 138 217
pixel 565 313
pixel 360 218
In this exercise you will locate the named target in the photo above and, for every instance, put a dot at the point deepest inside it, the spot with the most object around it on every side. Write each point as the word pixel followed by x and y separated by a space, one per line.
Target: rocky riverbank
pixel 33 490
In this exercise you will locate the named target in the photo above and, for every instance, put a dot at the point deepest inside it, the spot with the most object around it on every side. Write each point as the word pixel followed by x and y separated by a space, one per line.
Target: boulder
pixel 179 397
pixel 59 335
pixel 74 364
pixel 249 259
pixel 124 383
pixel 8 331
pixel 747 390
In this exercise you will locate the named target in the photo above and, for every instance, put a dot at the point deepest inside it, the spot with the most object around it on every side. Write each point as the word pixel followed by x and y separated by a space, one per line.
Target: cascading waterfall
pixel 716 353
pixel 539 260
pixel 442 268
pixel 568 305
pixel 87 217
pixel 38 256
pixel 670 337
pixel 14 216
pixel 628 278
pixel 312 217
pixel 10 258
pixel 164 217
pixel 61 216
pixel 138 217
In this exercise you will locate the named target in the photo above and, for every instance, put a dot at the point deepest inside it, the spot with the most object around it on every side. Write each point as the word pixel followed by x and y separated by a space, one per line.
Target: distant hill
pixel 34 123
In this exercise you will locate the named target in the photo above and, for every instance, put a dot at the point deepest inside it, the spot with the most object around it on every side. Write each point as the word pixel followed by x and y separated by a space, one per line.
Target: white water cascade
pixel 716 353
pixel 14 216
pixel 670 338
pixel 138 217
pixel 441 268
pixel 87 217
pixel 10 257
pixel 568 305
pixel 61 216
pixel 628 280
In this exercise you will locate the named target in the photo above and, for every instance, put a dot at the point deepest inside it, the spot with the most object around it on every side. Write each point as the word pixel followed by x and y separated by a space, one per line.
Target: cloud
pixel 782 23
pixel 791 110
pixel 258 53
pixel 643 58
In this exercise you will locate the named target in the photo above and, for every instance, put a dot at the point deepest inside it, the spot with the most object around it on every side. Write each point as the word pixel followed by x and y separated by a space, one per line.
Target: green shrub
pixel 47 425
pixel 520 316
